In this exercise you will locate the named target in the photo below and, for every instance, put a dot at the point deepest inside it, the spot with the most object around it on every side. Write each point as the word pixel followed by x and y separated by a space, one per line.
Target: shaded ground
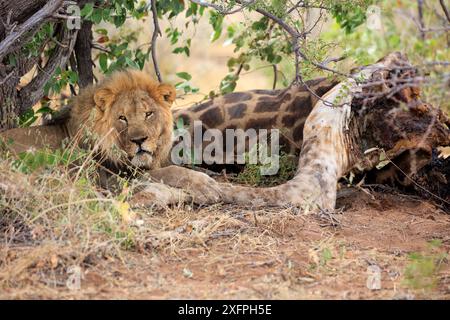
pixel 229 252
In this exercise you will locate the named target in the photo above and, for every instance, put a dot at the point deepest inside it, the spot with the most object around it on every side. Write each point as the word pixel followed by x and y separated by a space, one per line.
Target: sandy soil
pixel 229 252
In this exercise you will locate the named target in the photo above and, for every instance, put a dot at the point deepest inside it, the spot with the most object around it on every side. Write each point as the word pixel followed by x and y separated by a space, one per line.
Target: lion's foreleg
pixel 199 186
pixel 157 194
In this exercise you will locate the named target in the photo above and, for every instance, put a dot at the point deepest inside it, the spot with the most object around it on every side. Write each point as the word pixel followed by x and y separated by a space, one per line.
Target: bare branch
pixel 421 23
pixel 445 9
pixel 156 33
pixel 275 76
pixel 221 9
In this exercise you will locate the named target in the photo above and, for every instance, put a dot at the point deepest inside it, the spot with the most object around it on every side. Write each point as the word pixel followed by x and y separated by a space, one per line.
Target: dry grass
pixel 59 220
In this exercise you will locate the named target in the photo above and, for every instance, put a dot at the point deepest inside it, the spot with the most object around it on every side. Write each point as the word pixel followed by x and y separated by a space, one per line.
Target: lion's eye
pixel 123 118
pixel 149 114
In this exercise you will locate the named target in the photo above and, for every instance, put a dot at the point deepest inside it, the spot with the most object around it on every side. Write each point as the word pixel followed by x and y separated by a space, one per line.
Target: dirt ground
pixel 227 252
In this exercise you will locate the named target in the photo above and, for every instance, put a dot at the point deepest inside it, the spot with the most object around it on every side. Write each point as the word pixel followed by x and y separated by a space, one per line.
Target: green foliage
pixel 216 21
pixel 397 32
pixel 251 174
pixel 60 80
pixel 31 161
pixel 185 85
pixel 33 48
pixel 257 42
pixel 349 16
pixel 30 116
pixel 325 256
pixel 421 272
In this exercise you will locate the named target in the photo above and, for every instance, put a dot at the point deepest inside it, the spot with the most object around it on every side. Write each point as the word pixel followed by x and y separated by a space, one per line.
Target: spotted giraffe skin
pixel 351 134
pixel 285 110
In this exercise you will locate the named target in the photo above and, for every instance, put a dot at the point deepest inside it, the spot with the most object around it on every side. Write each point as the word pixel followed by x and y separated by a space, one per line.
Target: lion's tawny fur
pixel 93 120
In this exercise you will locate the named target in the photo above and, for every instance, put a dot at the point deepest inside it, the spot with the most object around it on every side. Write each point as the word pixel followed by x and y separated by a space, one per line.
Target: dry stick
pixel 445 9
pixel 421 23
pixel 275 76
pixel 156 33
pixel 221 9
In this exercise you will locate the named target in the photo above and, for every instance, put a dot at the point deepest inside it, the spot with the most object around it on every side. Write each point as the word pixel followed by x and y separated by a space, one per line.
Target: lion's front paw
pixel 203 189
pixel 157 195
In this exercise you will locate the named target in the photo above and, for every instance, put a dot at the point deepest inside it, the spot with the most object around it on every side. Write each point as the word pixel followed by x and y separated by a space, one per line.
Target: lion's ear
pixel 167 92
pixel 103 97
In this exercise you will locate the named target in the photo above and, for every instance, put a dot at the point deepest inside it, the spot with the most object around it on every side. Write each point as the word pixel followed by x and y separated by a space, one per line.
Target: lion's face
pixel 140 124
pixel 130 122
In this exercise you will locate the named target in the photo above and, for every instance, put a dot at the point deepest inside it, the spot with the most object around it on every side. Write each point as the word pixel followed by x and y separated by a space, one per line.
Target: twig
pixel 275 76
pixel 221 9
pixel 101 48
pixel 421 23
pixel 156 33
pixel 3 81
pixel 445 9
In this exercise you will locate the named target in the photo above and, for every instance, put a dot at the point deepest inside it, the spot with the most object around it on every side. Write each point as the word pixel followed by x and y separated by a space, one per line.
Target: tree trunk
pixel 19 21
pixel 20 10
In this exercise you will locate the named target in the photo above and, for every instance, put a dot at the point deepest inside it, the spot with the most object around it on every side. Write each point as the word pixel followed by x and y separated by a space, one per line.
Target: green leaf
pixel 132 63
pixel 73 77
pixel 184 75
pixel 97 16
pixel 119 20
pixel 103 32
pixel 44 110
pixel 103 60
pixel 87 10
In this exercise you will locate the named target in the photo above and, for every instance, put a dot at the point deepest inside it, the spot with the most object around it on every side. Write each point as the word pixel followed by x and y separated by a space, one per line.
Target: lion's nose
pixel 139 141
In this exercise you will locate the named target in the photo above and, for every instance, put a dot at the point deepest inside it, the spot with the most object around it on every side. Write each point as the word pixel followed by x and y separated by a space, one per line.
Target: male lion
pixel 126 121
pixel 126 117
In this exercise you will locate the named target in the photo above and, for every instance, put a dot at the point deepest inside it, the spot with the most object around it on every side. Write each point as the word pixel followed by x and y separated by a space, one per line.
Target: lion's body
pixel 20 140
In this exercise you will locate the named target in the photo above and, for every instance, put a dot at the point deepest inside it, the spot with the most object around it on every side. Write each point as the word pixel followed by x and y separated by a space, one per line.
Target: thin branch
pixel 445 9
pixel 100 48
pixel 221 9
pixel 421 23
pixel 3 81
pixel 275 76
pixel 156 33
pixel 437 29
